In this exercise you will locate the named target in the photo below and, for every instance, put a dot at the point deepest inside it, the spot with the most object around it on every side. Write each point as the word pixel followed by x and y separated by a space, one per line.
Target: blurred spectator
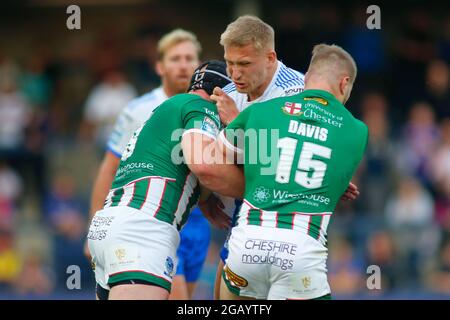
pixel 103 106
pixel 21 135
pixel 410 216
pixel 441 176
pixel 418 141
pixel 65 215
pixel 381 252
pixel 15 116
pixel 437 90
pixel 410 205
pixel 34 278
pixel 368 49
pixel 377 171
pixel 345 270
pixel 414 48
pixel 10 262
pixel 10 190
pixel 35 85
pixel 439 278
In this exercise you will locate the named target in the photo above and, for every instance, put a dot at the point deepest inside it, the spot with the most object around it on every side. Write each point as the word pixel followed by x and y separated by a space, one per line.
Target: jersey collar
pixel 161 94
pixel 319 93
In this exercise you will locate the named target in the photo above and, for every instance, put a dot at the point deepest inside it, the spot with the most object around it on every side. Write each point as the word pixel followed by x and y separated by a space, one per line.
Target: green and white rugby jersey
pixel 300 154
pixel 152 175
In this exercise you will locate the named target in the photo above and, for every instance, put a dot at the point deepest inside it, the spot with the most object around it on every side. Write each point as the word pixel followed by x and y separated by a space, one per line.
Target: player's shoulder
pixel 190 102
pixel 194 103
pixel 152 97
pixel 361 125
pixel 289 80
pixel 146 103
pixel 360 133
pixel 358 126
pixel 185 98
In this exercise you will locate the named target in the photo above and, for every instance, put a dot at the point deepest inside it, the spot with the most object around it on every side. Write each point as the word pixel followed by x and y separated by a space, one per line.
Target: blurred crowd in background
pixel 61 91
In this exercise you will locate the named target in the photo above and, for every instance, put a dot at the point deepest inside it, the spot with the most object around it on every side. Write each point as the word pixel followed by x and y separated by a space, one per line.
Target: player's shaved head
pixel 333 68
pixel 332 62
pixel 247 30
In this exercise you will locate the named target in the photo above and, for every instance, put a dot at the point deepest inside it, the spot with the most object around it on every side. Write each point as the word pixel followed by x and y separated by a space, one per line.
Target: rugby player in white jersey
pixel 257 75
pixel 178 56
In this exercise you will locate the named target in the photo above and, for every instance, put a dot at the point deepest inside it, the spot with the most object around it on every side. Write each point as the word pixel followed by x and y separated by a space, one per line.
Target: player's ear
pixel 159 67
pixel 345 87
pixel 343 84
pixel 272 56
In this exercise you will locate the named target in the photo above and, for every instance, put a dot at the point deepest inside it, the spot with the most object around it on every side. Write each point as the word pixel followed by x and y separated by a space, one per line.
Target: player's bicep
pixel 230 146
pixel 201 123
pixel 232 138
pixel 197 150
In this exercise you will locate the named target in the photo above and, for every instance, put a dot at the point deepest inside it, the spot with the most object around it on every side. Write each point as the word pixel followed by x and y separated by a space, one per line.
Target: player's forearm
pixel 102 185
pixel 225 179
pixel 101 188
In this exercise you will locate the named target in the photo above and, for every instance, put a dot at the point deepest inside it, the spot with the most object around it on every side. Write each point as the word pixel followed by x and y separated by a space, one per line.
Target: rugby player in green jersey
pixel 258 76
pixel 134 238
pixel 278 248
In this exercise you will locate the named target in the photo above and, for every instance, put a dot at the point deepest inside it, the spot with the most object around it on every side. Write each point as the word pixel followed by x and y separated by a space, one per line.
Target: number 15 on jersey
pixel 306 163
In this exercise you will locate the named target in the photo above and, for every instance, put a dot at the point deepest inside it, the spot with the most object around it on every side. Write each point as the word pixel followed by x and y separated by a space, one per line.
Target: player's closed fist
pixel 225 105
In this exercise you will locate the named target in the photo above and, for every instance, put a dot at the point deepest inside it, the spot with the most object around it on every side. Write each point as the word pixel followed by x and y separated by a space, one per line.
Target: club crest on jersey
pixel 120 253
pixel 292 108
pixel 306 282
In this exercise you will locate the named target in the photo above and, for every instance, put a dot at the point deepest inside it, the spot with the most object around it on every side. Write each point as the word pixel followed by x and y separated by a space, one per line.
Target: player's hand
pixel 225 105
pixel 351 193
pixel 212 210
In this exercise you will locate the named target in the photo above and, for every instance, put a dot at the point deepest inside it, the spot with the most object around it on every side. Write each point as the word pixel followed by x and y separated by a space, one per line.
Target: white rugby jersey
pixel 136 112
pixel 285 82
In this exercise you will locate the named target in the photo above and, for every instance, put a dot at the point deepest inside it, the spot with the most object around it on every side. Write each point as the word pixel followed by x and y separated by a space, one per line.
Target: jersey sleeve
pixel 233 135
pixel 201 117
pixel 123 130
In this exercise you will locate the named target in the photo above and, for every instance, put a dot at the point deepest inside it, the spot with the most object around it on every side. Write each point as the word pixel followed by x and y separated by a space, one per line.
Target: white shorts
pixel 275 263
pixel 127 244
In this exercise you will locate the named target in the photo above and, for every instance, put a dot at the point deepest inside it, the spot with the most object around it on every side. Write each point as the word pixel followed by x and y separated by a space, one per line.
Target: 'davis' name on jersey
pixel 308 130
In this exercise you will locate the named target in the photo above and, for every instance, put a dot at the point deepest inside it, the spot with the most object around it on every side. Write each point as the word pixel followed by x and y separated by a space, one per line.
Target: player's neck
pixel 263 87
pixel 202 93
pixel 321 85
